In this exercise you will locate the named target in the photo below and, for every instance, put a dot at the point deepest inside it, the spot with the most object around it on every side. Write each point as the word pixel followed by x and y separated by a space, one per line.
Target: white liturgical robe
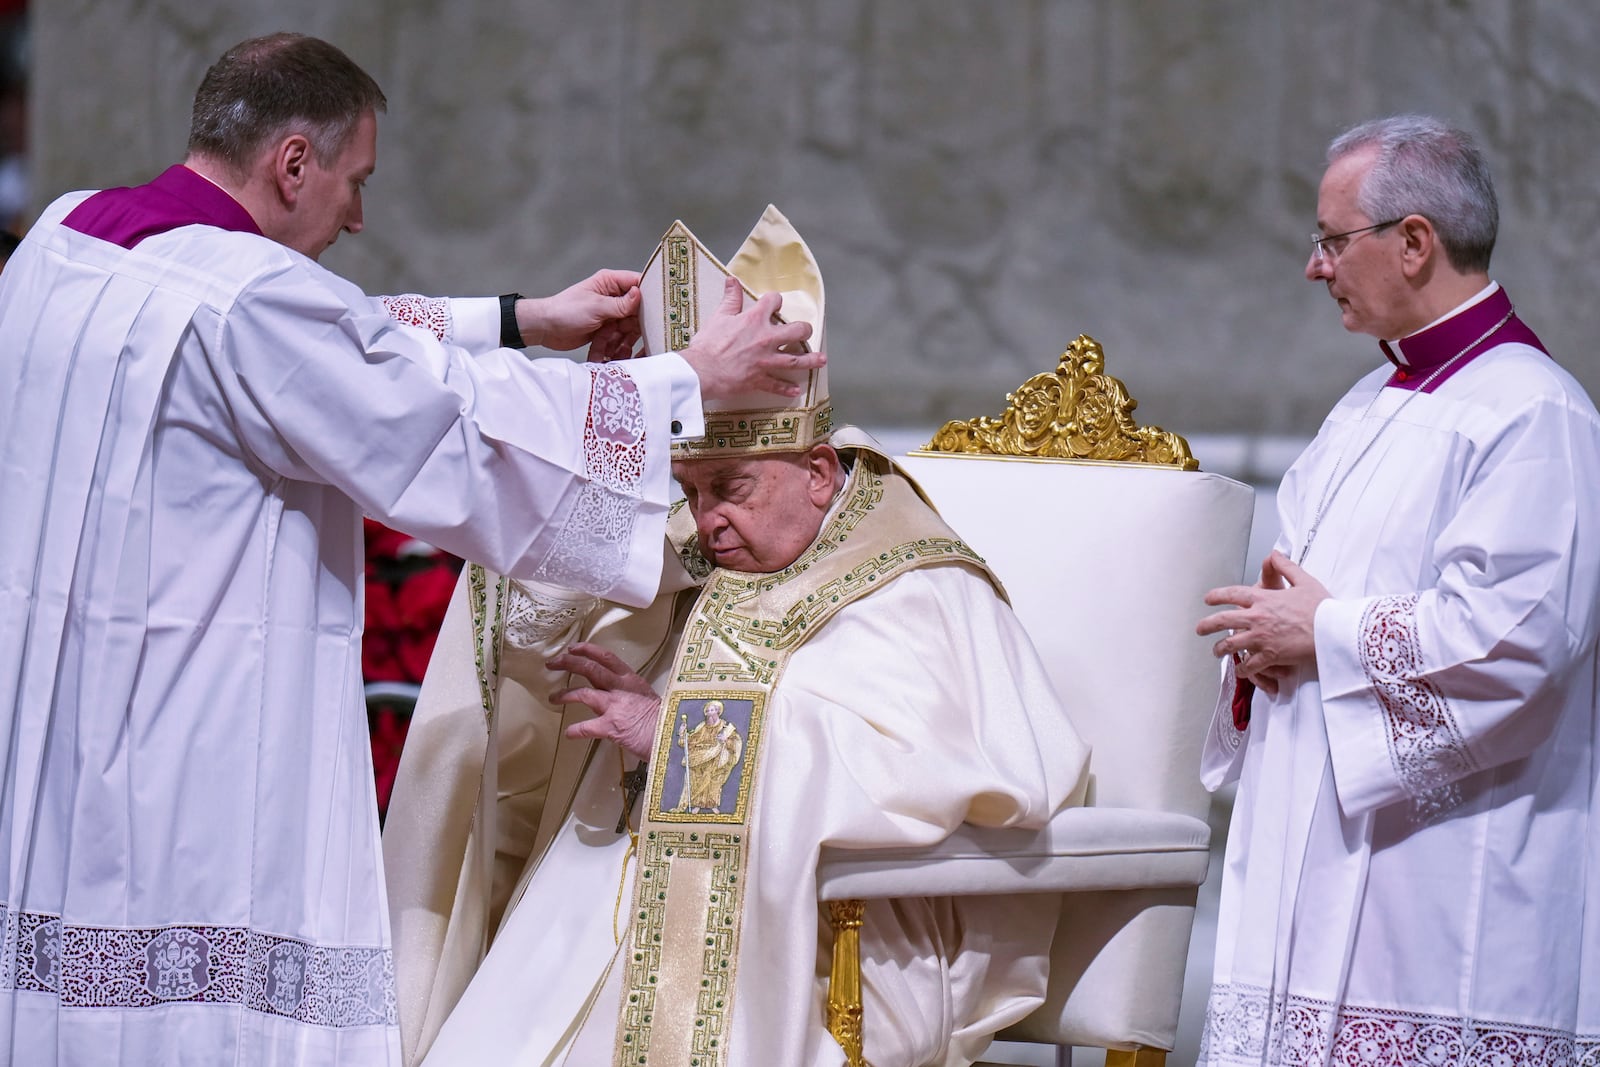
pixel 193 426
pixel 1413 867
pixel 913 709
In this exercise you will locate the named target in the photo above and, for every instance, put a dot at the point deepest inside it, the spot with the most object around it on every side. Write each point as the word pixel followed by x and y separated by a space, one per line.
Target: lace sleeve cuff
pixel 1392 733
pixel 538 614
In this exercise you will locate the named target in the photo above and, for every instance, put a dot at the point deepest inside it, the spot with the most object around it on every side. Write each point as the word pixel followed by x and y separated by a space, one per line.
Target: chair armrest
pixel 1078 850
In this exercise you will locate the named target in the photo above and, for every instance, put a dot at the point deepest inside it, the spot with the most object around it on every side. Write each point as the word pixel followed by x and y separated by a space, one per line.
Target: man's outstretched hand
pixel 626 708
pixel 741 349
pixel 601 311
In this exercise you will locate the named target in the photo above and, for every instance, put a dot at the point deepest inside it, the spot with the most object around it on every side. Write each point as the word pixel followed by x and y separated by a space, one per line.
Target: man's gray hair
pixel 1425 167
pixel 266 88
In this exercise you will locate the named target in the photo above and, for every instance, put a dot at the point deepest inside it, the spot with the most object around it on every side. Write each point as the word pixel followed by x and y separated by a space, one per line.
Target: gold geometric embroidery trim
pixel 657 850
pixel 721 949
pixel 746 432
pixel 1077 412
pixel 749 637
pixel 752 639
pixel 678 283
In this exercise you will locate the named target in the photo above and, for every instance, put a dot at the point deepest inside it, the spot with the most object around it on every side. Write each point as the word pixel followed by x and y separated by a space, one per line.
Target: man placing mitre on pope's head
pixel 603 840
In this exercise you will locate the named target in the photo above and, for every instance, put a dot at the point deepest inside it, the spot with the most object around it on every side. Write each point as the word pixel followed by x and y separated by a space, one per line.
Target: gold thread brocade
pixel 756 432
pixel 725 850
pixel 678 281
pixel 756 639
pixel 1076 412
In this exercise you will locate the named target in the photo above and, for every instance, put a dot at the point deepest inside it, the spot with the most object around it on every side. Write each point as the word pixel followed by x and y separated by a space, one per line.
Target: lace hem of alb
pixel 590 553
pixel 431 313
pixel 141 967
pixel 1247 1025
pixel 1426 748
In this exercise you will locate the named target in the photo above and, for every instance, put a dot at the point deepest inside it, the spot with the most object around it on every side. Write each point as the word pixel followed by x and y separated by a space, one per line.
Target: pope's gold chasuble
pixel 682 955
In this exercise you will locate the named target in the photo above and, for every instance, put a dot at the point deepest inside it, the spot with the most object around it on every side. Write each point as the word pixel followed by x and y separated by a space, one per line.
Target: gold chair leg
pixel 1137 1057
pixel 844 980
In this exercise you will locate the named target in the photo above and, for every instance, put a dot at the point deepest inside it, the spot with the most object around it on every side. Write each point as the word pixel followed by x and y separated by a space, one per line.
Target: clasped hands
pixel 1271 626
pixel 626 709
pixel 737 350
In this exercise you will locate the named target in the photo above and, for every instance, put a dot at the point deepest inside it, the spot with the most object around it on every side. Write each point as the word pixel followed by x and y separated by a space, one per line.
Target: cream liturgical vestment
pixel 195 419
pixel 916 704
pixel 1413 868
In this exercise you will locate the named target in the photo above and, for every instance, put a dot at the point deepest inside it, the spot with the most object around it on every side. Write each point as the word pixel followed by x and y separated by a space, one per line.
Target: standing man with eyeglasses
pixel 1413 867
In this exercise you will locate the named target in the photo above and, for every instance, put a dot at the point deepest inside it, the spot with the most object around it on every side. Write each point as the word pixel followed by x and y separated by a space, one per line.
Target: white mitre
pixel 682 287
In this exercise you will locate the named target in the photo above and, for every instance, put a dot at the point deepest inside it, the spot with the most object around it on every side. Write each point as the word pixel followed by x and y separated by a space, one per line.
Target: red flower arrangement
pixel 409 583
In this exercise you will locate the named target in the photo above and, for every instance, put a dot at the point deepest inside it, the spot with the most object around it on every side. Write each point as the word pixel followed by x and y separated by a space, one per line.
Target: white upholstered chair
pixel 1107 538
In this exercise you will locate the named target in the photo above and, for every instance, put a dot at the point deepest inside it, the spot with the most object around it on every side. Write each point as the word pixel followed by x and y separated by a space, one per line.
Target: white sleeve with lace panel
pixel 541 468
pixel 1423 687
pixel 472 323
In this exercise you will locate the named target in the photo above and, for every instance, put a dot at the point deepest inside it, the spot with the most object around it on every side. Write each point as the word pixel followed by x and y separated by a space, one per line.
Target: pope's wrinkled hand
pixel 626 708
pixel 746 350
pixel 602 309
pixel 1271 626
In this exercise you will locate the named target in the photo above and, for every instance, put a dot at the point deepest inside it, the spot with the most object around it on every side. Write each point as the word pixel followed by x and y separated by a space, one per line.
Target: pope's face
pixel 1363 272
pixel 757 514
pixel 331 197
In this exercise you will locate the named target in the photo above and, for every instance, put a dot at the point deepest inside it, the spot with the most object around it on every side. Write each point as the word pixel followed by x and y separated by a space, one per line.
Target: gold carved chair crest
pixel 1078 411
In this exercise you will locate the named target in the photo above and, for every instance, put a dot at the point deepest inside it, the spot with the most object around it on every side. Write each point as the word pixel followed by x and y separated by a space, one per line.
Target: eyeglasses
pixel 1332 246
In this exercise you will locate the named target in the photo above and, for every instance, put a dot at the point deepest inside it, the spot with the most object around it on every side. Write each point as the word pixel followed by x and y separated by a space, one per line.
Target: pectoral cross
pixel 632 786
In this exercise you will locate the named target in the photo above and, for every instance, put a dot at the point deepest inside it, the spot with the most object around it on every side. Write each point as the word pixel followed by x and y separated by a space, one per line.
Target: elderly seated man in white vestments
pixel 826 664
pixel 1413 868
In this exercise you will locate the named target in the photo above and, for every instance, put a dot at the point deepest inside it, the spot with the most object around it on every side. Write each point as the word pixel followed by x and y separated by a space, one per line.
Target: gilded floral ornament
pixel 1078 412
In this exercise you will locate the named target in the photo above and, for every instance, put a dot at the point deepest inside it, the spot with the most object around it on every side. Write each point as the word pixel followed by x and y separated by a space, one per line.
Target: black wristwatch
pixel 510 334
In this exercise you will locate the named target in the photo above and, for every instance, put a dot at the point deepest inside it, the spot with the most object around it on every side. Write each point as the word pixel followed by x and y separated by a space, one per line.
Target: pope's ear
pixel 822 469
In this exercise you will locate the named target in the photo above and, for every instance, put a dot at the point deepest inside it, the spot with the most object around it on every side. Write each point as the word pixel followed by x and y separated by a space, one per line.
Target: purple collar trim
pixel 1425 352
pixel 179 197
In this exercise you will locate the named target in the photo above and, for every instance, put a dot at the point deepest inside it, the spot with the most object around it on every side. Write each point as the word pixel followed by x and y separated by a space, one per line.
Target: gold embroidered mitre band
pixel 683 286
pixel 682 951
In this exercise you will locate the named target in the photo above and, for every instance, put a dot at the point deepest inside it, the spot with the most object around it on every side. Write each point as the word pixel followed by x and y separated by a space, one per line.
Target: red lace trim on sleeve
pixel 431 313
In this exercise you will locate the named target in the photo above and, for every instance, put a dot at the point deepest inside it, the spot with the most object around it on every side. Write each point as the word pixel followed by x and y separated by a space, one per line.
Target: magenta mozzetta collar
pixel 1424 352
pixel 179 197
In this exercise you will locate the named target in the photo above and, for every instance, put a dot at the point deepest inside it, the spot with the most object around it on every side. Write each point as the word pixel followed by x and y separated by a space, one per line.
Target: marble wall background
pixel 982 180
